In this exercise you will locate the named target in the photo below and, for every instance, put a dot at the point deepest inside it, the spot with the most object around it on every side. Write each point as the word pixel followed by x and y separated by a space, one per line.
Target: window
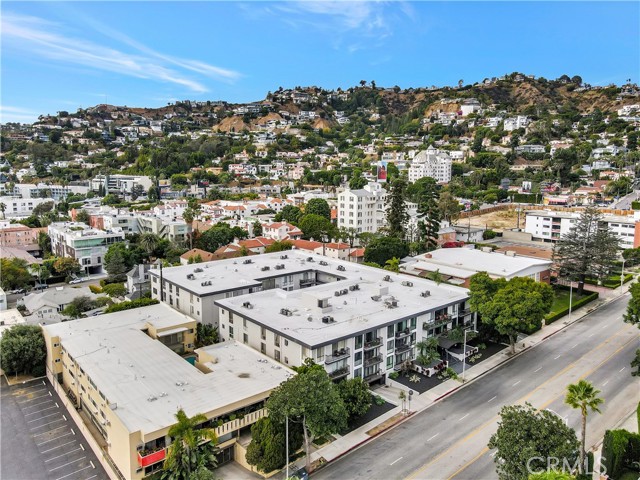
pixel 358 358
pixel 286 342
pixel 286 360
pixel 57 360
pixel 357 373
pixel 389 345
pixel 231 318
pixel 358 342
pixel 276 340
pixel 245 338
pixel 263 333
pixel 263 348
pixel 390 331
pixel 244 322
pixel 276 355
pixel 390 362
pixel 230 332
pixel 413 323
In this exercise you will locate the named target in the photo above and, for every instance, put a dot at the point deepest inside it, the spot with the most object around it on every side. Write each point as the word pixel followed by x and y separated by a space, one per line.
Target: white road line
pixel 68 463
pixel 574 346
pixel 38 389
pixel 555 358
pixel 39 411
pixel 48 431
pixel 591 335
pixel 395 461
pixel 55 448
pixel 36 404
pixel 433 436
pixel 603 327
pixel 82 447
pixel 73 431
pixel 494 453
pixel 605 383
pixel 463 417
pixel 47 424
pixel 91 462
pixel 42 418
pixel 537 370
pixel 57 438
pixel 64 454
pixel 492 398
pixel 622 369
pixel 516 383
pixel 32 399
pixel 93 476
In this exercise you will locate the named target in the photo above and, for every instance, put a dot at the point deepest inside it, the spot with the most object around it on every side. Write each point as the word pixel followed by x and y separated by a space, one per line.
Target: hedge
pixel 141 302
pixel 610 282
pixel 620 449
pixel 574 305
pixel 635 205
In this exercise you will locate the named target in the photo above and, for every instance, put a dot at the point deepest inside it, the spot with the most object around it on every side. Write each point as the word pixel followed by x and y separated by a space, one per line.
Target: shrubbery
pixel 141 302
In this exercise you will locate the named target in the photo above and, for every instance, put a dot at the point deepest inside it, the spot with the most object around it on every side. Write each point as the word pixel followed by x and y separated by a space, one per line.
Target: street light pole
pixel 570 296
pixel 622 275
pixel 464 352
pixel 287 441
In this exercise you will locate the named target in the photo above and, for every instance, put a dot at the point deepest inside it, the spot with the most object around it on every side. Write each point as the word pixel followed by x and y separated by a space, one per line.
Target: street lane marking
pixel 47 424
pixel 82 447
pixel 492 398
pixel 473 460
pixel 591 335
pixel 73 473
pixel 622 369
pixel 55 448
pixel 433 436
pixel 463 417
pixel 555 358
pixel 605 383
pixel 396 461
pixel 574 346
pixel 516 383
pixel 537 370
pixel 91 462
pixel 68 463
pixel 36 404
pixel 32 399
pixel 473 433
pixel 494 454
pixel 64 454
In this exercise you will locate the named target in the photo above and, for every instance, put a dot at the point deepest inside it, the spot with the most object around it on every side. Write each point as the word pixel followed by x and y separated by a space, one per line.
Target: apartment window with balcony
pixel 230 332
pixel 276 340
pixel 389 345
pixel 390 331
pixel 413 323
pixel 357 373
pixel 358 358
pixel 358 342
pixel 390 362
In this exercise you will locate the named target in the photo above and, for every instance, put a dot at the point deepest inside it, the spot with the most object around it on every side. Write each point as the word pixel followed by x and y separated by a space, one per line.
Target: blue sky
pixel 61 56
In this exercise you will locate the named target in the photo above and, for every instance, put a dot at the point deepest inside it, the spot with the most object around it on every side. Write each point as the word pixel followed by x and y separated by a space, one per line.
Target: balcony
pixel 372 377
pixel 438 322
pixel 337 356
pixel 238 423
pixel 403 347
pixel 146 458
pixel 339 373
pixel 403 333
pixel 375 343
pixel 372 360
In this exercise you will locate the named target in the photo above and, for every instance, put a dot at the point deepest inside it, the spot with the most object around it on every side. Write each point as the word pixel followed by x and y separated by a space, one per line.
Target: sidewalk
pixel 420 402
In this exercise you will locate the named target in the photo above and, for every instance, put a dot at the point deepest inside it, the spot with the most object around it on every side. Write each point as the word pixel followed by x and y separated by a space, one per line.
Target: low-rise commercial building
pixel 124 373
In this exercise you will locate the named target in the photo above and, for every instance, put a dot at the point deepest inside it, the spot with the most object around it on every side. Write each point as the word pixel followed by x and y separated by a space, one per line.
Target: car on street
pixel 42 286
pixel 16 291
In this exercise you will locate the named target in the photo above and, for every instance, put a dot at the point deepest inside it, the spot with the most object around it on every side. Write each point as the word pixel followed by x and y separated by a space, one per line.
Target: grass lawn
pixel 561 300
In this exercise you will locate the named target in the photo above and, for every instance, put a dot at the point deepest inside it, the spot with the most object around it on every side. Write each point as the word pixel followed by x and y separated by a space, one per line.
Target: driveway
pixel 39 439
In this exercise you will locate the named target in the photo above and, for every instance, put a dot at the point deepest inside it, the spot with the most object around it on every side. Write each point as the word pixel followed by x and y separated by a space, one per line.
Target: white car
pixel 77 280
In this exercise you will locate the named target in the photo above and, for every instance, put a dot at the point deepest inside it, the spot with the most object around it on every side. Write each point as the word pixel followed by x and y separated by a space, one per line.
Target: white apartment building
pixel 431 163
pixel 362 209
pixel 86 244
pixel 549 226
pixel 514 123
pixel 55 192
pixel 20 207
pixel 120 184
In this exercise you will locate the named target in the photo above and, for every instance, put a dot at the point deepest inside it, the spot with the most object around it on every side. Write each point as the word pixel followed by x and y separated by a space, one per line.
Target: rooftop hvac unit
pixel 387 278
pixel 323 263
pixel 344 291
pixel 284 257
pixel 327 319
pixel 197 270
pixel 310 259
pixel 341 268
pixel 375 298
pixel 247 305
pixel 280 267
pixel 337 293
pixel 426 293
pixel 286 312
pixel 407 284
pixel 191 276
pixel 265 268
pixel 354 287
pixel 248 260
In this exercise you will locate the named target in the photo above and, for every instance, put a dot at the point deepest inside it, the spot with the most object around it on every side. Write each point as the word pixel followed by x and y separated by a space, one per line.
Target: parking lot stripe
pixel 48 431
pixel 54 448
pixel 68 463
pixel 73 473
pixel 42 418
pixel 39 411
pixel 36 405
pixel 65 435
pixel 64 454
pixel 50 423
pixel 34 398
pixel 38 389
pixel 92 476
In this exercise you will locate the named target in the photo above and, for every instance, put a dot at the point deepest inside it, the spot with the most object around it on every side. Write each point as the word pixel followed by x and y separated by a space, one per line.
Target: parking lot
pixel 39 438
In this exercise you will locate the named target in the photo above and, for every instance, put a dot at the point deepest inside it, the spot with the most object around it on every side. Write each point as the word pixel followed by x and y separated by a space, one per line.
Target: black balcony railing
pixel 402 347
pixel 403 333
pixel 373 376
pixel 375 343
pixel 372 360
pixel 339 373
pixel 337 355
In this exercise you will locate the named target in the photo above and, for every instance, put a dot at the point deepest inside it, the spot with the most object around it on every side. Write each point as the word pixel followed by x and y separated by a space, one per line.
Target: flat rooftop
pixel 358 310
pixel 147 381
pixel 606 217
pixel 465 262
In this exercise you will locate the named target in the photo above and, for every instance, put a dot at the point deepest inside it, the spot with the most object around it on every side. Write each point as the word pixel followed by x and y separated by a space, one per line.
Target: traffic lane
pixel 620 392
pixel 533 367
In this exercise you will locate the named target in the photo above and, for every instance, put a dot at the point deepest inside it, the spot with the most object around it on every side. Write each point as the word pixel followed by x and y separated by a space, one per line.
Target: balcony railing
pixel 339 373
pixel 146 458
pixel 403 347
pixel 375 343
pixel 373 376
pixel 372 360
pixel 403 333
pixel 337 355
pixel 238 423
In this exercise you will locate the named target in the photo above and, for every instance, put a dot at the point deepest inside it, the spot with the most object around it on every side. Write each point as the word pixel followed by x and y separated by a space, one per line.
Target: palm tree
pixel 3 207
pixel 584 396
pixel 190 449
pixel 427 351
pixel 149 243
pixel 393 265
pixel 436 277
pixel 188 216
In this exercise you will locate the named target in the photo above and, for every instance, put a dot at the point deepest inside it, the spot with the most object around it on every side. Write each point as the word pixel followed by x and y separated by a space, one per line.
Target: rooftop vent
pixel 341 268
pixel 310 259
pixel 407 284
pixel 386 278
pixel 248 260
pixel 391 303
pixel 354 287
pixel 280 266
pixel 191 276
pixel 247 305
pixel 426 293
pixel 286 312
pixel 206 284
pixel 265 268
pixel 327 319
pixel 197 270
pixel 376 298
pixel 323 263
pixel 284 257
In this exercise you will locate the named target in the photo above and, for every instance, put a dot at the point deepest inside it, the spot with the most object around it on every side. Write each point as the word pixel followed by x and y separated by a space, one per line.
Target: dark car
pixel 301 474
pixel 42 286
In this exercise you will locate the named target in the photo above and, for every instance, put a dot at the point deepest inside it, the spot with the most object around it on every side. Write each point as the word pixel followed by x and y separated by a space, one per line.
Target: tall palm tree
pixel 584 396
pixel 3 207
pixel 393 265
pixel 191 447
pixel 149 242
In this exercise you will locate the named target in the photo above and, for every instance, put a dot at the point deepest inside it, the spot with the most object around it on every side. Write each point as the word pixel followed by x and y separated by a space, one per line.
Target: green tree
pixel 116 261
pixel 632 315
pixel 115 290
pixel 357 181
pixel 191 447
pixel 43 208
pixel 257 228
pixel 206 334
pixel 111 199
pixel 356 396
pixel 189 216
pixel 382 249
pixel 279 246
pixel 427 351
pixel 589 248
pixel 583 396
pixel 268 449
pixel 635 363
pixel 525 439
pixel 289 214
pixel 518 305
pixel 149 243
pixel 44 243
pixel 316 227
pixel 429 216
pixel 3 208
pixel 449 207
pixel 66 266
pixel 78 306
pixel 14 273
pixel 311 399
pixel 23 350
pixel 153 194
pixel 397 216
pixel 318 206
pixel 83 217
pixel 393 265
pixel 551 475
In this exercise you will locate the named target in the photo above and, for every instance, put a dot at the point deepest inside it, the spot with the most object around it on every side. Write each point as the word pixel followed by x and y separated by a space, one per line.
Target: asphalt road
pixel 449 439
pixel 625 202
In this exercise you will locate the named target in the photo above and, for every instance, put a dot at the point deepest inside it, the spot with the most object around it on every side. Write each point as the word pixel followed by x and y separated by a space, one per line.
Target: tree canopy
pixel 316 227
pixel 318 206
pixel 14 273
pixel 23 350
pixel 268 449
pixel 397 216
pixel 382 249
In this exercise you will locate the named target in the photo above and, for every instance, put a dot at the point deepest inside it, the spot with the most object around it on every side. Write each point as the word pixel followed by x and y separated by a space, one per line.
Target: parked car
pixel 42 286
pixel 17 290
pixel 301 474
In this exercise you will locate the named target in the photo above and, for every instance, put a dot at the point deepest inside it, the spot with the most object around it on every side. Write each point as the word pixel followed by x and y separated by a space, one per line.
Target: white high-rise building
pixel 364 209
pixel 431 163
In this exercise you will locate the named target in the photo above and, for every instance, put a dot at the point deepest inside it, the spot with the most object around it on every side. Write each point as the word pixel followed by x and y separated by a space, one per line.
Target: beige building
pixel 124 372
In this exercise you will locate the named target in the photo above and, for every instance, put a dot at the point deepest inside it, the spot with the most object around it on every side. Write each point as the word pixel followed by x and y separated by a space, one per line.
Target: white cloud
pixel 43 38
pixel 17 114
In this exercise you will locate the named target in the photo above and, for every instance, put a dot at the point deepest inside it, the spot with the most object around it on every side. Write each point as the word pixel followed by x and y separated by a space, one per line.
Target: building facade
pixel 363 209
pixel 431 163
